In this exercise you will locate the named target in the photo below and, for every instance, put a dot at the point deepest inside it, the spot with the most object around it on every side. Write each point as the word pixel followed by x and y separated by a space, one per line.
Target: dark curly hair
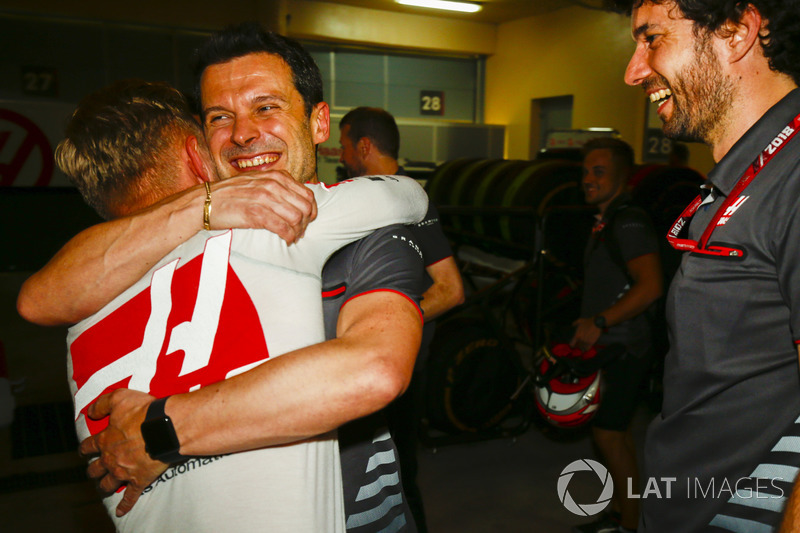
pixel 780 39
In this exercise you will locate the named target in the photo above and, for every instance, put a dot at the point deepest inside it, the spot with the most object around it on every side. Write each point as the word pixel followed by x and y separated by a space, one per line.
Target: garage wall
pixel 573 51
pixel 297 18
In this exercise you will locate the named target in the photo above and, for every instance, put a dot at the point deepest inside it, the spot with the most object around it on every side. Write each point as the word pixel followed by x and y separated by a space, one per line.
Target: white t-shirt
pixel 216 306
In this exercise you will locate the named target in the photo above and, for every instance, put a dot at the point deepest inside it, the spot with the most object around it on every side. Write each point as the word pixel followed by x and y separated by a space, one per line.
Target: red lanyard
pixel 731 203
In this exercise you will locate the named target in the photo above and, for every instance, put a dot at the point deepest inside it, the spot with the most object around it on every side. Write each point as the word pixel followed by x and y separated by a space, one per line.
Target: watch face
pixel 159 437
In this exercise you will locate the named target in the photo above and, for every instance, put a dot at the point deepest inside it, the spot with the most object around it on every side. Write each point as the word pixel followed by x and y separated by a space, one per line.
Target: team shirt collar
pixel 726 173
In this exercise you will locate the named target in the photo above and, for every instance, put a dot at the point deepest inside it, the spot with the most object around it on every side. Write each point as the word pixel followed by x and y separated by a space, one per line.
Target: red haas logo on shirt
pixel 193 326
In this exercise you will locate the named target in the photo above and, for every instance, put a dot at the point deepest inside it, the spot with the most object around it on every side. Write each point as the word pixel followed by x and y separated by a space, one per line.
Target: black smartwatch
pixel 160 439
pixel 600 322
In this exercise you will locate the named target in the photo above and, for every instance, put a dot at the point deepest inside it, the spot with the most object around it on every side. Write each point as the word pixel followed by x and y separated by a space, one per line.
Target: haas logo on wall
pixel 29 133
pixel 193 326
pixel 25 152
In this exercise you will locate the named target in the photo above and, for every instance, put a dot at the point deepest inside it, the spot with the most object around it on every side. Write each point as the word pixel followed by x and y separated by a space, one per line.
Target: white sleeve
pixel 354 208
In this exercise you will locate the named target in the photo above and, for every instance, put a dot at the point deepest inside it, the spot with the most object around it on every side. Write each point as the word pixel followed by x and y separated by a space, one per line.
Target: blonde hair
pixel 120 145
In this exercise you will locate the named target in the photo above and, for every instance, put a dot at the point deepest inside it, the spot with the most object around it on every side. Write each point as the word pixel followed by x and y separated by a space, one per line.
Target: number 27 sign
pixel 431 103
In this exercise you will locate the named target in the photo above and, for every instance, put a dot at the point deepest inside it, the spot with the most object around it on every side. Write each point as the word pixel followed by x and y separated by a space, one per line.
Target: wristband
pixel 207 208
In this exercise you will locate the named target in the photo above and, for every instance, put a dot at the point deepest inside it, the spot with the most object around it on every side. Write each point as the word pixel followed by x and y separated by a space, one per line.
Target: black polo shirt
pixel 386 260
pixel 728 428
pixel 627 233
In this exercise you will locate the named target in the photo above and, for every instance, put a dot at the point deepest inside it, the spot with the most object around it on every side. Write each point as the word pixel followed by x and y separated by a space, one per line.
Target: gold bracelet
pixel 207 208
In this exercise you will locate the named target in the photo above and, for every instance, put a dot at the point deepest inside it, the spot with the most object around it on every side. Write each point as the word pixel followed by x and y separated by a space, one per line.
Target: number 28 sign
pixel 431 103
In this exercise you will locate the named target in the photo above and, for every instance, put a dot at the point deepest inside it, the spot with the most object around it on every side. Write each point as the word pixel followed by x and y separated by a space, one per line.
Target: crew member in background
pixel 370 142
pixel 622 279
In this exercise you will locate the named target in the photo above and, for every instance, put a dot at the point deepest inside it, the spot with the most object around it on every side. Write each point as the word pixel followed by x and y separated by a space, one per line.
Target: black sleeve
pixel 387 259
pixel 430 237
pixel 635 234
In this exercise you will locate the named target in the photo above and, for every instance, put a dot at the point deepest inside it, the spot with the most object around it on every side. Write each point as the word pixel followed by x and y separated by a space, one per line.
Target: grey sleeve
pixel 387 259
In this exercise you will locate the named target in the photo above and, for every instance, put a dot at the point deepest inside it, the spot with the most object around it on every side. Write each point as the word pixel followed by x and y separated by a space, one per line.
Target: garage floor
pixel 509 485
pixel 492 486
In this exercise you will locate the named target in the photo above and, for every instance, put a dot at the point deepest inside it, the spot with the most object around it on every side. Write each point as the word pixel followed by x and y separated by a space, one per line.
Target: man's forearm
pixel 646 289
pixel 791 516
pixel 310 391
pixel 295 396
pixel 102 261
pixel 632 304
pixel 447 290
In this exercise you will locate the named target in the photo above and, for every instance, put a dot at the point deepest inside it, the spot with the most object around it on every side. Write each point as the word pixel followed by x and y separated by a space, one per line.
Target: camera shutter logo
pixel 587 509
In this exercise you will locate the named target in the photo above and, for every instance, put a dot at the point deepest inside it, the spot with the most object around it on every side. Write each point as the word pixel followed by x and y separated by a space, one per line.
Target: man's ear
pixel 741 37
pixel 320 123
pixel 364 147
pixel 195 161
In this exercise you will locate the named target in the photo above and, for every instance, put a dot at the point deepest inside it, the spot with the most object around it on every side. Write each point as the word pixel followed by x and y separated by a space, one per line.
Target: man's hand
pixel 121 447
pixel 586 334
pixel 270 200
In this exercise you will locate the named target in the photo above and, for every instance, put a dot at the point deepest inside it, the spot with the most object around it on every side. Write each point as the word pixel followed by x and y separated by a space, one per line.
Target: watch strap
pixel 164 450
pixel 600 322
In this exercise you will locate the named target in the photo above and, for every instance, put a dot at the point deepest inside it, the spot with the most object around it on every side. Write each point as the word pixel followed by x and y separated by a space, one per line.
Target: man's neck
pixel 753 100
pixel 603 207
pixel 382 165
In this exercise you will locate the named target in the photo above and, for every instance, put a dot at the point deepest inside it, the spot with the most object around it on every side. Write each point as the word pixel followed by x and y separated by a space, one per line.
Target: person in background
pixel 370 143
pixel 622 280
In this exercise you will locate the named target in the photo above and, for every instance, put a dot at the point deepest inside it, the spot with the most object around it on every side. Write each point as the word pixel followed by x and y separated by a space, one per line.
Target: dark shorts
pixel 623 379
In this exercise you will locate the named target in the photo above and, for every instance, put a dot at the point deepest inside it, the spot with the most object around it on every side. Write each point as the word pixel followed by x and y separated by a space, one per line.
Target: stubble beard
pixel 701 98
pixel 354 171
